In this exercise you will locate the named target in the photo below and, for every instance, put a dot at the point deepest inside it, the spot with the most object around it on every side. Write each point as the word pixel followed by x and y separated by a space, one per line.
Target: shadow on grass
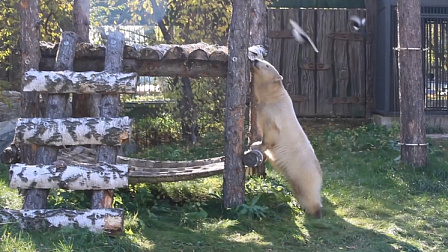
pixel 333 233
pixel 285 231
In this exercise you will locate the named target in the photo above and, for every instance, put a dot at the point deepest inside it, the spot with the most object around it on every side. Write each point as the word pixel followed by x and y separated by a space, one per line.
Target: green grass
pixel 372 202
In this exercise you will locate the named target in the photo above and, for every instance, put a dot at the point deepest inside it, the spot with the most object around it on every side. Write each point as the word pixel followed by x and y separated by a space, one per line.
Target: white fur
pixel 283 140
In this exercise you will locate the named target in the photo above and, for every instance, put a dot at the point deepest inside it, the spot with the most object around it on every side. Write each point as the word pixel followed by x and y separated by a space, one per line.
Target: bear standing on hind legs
pixel 284 142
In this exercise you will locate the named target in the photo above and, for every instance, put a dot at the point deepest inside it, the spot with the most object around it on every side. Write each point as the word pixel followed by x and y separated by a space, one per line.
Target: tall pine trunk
pixel 236 90
pixel 412 113
pixel 81 23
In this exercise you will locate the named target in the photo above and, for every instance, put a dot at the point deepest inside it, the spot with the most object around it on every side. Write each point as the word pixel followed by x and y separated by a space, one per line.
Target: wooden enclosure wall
pixel 331 83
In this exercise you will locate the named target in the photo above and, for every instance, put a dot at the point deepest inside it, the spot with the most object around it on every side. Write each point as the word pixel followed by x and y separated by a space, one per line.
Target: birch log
pixel 73 131
pixel 80 82
pixel 74 177
pixel 105 220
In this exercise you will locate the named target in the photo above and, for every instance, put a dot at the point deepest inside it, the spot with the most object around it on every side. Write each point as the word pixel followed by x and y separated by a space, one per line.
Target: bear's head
pixel 263 71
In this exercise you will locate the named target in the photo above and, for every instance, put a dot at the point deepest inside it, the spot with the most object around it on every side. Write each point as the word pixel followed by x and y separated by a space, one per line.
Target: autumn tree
pixel 185 22
pixel 414 149
pixel 54 16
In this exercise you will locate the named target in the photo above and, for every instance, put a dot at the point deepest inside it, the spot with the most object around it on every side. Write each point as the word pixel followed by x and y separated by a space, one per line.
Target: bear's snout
pixel 255 63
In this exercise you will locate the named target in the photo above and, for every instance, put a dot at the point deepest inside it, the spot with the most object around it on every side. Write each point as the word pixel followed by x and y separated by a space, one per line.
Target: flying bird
pixel 358 24
pixel 300 36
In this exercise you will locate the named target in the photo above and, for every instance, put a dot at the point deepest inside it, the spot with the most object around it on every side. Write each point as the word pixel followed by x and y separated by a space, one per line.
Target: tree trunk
pixel 258 36
pixel 414 149
pixel 109 107
pixel 187 112
pixel 30 53
pixel 236 91
pixel 81 19
pixel 34 198
pixel 81 23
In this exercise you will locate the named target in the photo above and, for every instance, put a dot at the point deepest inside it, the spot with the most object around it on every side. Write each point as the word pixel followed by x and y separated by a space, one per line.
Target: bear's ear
pixel 278 78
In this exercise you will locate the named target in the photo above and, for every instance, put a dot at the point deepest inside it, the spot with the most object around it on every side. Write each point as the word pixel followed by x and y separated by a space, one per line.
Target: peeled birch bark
pixel 79 82
pixel 73 131
pixel 105 220
pixel 73 177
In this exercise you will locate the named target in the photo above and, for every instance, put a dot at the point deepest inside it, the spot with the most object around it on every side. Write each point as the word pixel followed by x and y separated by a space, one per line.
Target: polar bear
pixel 284 142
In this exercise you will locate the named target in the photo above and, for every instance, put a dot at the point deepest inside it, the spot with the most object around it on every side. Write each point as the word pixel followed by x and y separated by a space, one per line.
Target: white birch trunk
pixel 73 131
pixel 73 177
pixel 79 82
pixel 108 220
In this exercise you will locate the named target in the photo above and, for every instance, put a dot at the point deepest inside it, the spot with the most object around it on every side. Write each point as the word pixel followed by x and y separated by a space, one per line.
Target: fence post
pixel 109 107
pixel 56 103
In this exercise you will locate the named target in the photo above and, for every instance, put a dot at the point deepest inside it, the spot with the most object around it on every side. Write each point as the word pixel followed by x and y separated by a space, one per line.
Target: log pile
pixel 191 60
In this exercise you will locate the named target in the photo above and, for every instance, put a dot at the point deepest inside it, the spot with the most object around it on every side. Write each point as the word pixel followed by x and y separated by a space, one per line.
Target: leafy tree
pixel 55 16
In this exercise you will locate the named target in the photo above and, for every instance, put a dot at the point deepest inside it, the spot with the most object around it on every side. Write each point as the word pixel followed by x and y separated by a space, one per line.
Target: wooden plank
pixel 73 131
pixel 371 49
pixel 291 51
pixel 308 56
pixel 348 100
pixel 183 68
pixel 283 34
pixel 179 68
pixel 109 221
pixel 345 36
pixel 357 70
pixel 315 67
pixel 69 177
pixel 340 64
pixel 275 45
pixel 79 82
pixel 324 78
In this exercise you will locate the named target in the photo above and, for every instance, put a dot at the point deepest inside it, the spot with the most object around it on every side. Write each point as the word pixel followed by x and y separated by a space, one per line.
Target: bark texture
pixel 236 90
pixel 109 221
pixel 80 82
pixel 71 177
pixel 81 23
pixel 258 36
pixel 56 108
pixel 81 19
pixel 30 53
pixel 73 131
pixel 109 107
pixel 412 114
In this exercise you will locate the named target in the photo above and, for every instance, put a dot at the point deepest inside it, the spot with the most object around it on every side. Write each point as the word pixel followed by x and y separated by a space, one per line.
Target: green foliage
pixel 210 145
pixel 69 199
pixel 251 209
pixel 8 197
pixel 371 203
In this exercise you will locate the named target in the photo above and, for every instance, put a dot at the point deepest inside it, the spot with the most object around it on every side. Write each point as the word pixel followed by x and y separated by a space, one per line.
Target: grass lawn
pixel 372 202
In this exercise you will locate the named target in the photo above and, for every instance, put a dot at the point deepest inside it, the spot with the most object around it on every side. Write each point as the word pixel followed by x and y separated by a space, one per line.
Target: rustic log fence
pixel 105 130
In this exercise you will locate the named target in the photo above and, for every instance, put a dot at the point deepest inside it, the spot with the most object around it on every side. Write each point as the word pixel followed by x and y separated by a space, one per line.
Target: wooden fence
pixel 331 83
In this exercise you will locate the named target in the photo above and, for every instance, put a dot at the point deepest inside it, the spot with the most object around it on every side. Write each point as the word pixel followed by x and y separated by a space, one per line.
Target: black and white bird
pixel 300 36
pixel 257 52
pixel 358 24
